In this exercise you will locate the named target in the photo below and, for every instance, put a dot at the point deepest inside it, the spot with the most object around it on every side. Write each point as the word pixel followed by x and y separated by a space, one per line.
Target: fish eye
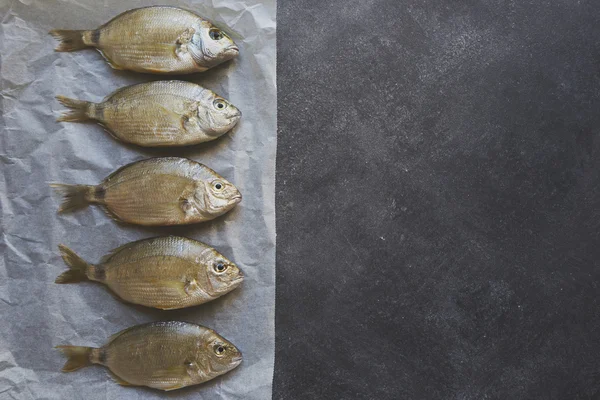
pixel 219 349
pixel 220 104
pixel 218 185
pixel 215 34
pixel 220 267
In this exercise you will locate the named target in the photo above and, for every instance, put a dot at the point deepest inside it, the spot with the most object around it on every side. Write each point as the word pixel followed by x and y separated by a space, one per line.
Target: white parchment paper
pixel 37 314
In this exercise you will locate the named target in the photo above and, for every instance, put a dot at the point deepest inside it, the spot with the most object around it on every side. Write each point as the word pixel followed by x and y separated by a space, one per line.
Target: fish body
pixel 157 192
pixel 164 272
pixel 160 355
pixel 157 39
pixel 162 113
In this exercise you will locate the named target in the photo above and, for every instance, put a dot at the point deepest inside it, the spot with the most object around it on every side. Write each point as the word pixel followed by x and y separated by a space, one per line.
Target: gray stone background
pixel 438 182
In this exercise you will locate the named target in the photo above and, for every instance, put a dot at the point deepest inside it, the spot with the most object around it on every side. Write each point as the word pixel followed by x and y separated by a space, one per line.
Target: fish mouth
pixel 237 360
pixel 232 51
pixel 236 116
pixel 238 280
pixel 234 119
pixel 236 199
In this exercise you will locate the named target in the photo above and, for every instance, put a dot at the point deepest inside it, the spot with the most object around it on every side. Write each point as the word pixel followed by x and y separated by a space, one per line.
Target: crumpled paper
pixel 38 314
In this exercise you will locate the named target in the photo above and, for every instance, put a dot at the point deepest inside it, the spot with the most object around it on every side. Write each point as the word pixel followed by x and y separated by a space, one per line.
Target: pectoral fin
pixel 180 289
pixel 186 202
pixel 189 123
pixel 186 205
pixel 190 286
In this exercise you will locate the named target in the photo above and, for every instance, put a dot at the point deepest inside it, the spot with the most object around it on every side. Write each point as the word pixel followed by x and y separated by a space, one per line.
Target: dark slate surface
pixel 438 200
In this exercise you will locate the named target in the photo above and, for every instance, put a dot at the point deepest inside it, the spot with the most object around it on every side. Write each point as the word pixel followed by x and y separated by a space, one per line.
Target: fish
pixel 168 272
pixel 162 113
pixel 161 355
pixel 160 191
pixel 156 39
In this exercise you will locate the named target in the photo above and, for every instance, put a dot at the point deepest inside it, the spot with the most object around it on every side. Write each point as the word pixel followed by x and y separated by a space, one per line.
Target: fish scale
pixel 164 272
pixel 161 355
pixel 159 191
pixel 157 39
pixel 155 45
pixel 171 113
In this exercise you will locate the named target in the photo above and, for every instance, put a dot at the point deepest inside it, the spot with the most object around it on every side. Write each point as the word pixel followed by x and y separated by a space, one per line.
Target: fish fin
pixel 110 96
pixel 110 131
pixel 69 40
pixel 74 196
pixel 113 19
pixel 78 267
pixel 77 357
pixel 121 169
pixel 107 258
pixel 190 123
pixel 110 62
pixel 111 253
pixel 183 289
pixel 113 216
pixel 79 110
pixel 156 70
pixel 148 161
pixel 141 326
pixel 116 335
pixel 189 286
pixel 116 296
pixel 174 387
pixel 168 115
pixel 119 380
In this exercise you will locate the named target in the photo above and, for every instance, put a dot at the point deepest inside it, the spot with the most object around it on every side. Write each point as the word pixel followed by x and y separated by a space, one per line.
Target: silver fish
pixel 157 191
pixel 158 40
pixel 163 113
pixel 160 355
pixel 164 272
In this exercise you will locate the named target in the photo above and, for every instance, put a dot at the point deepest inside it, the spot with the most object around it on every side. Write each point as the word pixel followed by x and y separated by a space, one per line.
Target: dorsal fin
pixel 116 335
pixel 111 253
pixel 134 10
pixel 159 246
pixel 116 91
pixel 162 162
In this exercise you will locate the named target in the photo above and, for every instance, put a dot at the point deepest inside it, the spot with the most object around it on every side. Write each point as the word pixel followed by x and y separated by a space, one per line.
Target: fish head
pixel 223 275
pixel 211 46
pixel 217 115
pixel 223 356
pixel 219 195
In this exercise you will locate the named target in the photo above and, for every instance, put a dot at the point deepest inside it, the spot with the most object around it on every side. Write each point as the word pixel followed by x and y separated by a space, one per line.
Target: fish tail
pixel 77 357
pixel 78 267
pixel 79 110
pixel 71 40
pixel 74 196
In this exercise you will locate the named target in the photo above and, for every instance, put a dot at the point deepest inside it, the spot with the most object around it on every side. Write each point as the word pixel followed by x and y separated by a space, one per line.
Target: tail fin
pixel 79 110
pixel 69 40
pixel 78 267
pixel 77 357
pixel 74 196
